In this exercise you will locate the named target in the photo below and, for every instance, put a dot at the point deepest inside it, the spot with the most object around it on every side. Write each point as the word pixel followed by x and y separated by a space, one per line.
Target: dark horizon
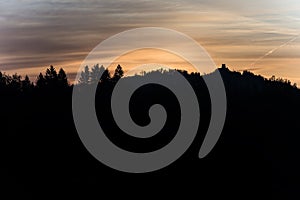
pixel 71 77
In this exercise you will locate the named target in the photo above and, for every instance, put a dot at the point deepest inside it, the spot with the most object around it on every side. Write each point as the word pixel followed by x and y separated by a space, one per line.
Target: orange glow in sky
pixel 141 57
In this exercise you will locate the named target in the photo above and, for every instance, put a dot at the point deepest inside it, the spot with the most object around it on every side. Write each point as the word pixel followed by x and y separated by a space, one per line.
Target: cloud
pixel 36 33
pixel 61 27
pixel 275 49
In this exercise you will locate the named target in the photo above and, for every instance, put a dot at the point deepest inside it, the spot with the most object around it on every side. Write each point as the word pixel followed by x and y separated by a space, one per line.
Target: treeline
pixel 93 76
pixel 53 79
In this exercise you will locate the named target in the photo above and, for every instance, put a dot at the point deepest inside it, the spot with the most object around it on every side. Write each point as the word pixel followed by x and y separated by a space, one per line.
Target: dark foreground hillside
pixel 257 156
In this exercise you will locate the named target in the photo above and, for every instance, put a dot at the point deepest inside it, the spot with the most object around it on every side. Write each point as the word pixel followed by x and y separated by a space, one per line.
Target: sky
pixel 259 35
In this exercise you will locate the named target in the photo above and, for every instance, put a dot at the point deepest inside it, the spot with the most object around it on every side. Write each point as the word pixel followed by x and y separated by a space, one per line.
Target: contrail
pixel 275 49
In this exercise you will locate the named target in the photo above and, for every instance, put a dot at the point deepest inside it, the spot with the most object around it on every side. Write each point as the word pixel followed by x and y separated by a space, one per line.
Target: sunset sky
pixel 259 35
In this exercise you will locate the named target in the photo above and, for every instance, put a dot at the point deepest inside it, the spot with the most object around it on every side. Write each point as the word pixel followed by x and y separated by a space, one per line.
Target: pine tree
pixel 41 81
pixel 105 76
pixel 51 74
pixel 62 79
pixel 2 80
pixel 26 84
pixel 96 73
pixel 51 77
pixel 119 73
pixel 85 76
pixel 16 82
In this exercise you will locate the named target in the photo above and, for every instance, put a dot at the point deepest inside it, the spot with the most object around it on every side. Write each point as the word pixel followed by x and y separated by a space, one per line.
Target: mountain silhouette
pixel 257 154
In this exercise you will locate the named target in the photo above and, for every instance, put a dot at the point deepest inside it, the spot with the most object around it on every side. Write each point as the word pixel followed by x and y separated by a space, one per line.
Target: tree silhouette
pixel 62 79
pixel 119 73
pixel 41 81
pixel 2 80
pixel 93 77
pixel 105 76
pixel 85 76
pixel 8 80
pixel 15 82
pixel 26 84
pixel 95 74
pixel 51 73
pixel 51 77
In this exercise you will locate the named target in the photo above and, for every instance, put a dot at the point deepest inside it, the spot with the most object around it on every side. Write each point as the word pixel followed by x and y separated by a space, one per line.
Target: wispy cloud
pixel 275 49
pixel 36 33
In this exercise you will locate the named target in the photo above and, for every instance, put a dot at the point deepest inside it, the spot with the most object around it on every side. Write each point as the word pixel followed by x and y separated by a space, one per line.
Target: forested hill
pixel 257 153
